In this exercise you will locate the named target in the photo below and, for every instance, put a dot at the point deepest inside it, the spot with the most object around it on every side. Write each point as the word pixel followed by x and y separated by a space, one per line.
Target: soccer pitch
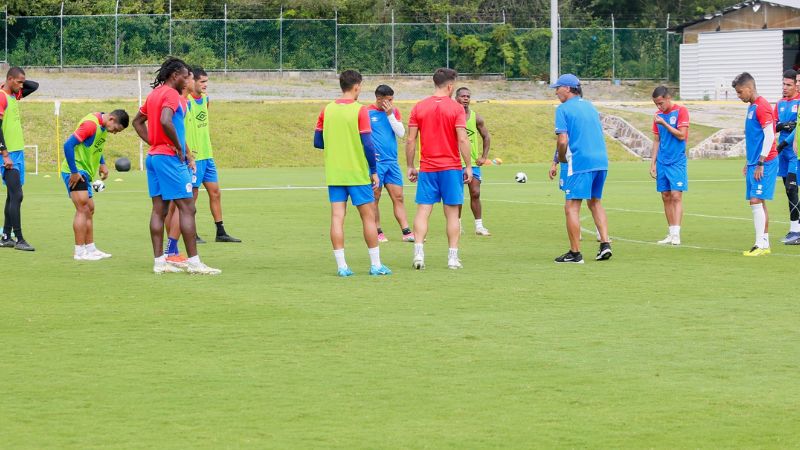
pixel 691 346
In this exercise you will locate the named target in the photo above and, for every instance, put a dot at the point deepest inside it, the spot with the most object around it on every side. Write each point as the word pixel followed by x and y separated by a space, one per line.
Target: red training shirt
pixel 437 119
pixel 161 97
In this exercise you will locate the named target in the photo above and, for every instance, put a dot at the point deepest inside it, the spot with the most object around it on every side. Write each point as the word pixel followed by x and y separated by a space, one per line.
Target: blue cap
pixel 566 80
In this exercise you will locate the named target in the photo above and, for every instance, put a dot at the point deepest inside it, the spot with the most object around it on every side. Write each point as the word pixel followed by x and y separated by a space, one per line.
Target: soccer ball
pixel 520 177
pixel 98 185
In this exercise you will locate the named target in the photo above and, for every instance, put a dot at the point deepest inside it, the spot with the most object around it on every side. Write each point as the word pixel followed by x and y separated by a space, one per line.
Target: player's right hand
pixel 553 171
pixel 375 181
pixel 7 162
pixel 412 174
pixel 653 171
pixel 74 179
pixel 467 174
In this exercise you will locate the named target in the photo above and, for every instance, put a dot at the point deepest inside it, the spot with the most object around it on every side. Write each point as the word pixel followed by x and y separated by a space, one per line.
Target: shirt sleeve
pixel 3 105
pixel 655 126
pixel 412 119
pixel 142 110
pixel 561 121
pixel 85 131
pixel 320 120
pixel 461 118
pixel 683 117
pixel 775 111
pixel 364 125
pixel 172 100
pixel 764 114
pixel 397 115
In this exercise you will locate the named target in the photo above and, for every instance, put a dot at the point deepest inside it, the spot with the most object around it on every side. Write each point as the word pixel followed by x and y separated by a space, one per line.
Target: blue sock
pixel 172 247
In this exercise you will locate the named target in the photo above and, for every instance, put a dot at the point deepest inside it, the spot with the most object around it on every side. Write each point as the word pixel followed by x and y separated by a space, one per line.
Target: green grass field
pixel 280 134
pixel 688 347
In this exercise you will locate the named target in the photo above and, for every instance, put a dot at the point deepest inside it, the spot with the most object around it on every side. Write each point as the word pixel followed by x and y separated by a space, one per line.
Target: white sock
pixel 453 254
pixel 339 255
pixel 674 230
pixel 764 242
pixel 794 226
pixel 194 260
pixel 418 250
pixel 478 223
pixel 161 259
pixel 79 249
pixel 375 256
pixel 90 247
pixel 759 221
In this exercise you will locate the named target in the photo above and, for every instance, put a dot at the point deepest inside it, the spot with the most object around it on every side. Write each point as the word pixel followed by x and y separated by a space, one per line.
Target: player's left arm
pixel 319 141
pixel 681 132
pixel 465 148
pixel 765 119
pixel 396 123
pixel 562 143
pixel 103 168
pixel 485 137
pixel 170 131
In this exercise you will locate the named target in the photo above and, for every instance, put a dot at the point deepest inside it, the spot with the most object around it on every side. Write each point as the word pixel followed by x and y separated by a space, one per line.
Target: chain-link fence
pixel 118 40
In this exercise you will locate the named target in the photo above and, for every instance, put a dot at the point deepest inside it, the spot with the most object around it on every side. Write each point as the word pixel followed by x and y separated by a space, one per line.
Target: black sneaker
pixel 7 242
pixel 199 240
pixel 24 246
pixel 570 257
pixel 227 238
pixel 605 252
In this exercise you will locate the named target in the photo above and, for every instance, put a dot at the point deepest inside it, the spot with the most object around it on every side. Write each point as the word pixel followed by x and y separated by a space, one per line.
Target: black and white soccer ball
pixel 98 185
pixel 520 177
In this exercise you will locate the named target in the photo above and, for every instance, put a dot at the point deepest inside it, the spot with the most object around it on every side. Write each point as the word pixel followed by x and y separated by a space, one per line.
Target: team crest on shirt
pixel 750 114
pixel 673 120
pixel 794 108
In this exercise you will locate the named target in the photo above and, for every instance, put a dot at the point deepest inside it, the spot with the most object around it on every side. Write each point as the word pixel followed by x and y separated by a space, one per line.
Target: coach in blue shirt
pixel 579 131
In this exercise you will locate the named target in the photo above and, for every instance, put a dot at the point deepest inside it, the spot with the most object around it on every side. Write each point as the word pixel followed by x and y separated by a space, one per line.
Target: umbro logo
pixel 201 115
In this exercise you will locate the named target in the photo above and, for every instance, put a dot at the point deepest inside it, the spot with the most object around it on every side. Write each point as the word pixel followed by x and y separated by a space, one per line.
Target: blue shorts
pixel 80 187
pixel 359 195
pixel 168 177
pixel 476 173
pixel 586 185
pixel 446 186
pixel 18 158
pixel 764 189
pixel 206 172
pixel 389 173
pixel 671 177
pixel 787 162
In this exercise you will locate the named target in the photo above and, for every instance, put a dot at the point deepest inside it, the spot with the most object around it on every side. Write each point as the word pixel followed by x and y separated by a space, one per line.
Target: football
pixel 98 185
pixel 520 177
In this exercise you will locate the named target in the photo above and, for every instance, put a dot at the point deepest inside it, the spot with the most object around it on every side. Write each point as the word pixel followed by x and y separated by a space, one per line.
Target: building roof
pixel 750 3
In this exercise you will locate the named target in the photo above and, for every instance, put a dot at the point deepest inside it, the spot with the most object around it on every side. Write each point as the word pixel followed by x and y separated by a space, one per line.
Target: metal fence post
pixel 280 42
pixel 6 19
pixel 116 37
pixel 392 62
pixel 666 38
pixel 61 39
pixel 226 38
pixel 336 41
pixel 613 51
pixel 170 27
pixel 447 40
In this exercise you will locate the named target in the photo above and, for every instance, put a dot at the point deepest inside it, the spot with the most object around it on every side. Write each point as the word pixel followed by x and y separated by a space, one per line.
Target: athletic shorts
pixel 586 185
pixel 476 173
pixel 389 173
pixel 787 162
pixel 168 177
pixel 359 195
pixel 81 186
pixel 206 172
pixel 764 189
pixel 446 186
pixel 671 177
pixel 18 158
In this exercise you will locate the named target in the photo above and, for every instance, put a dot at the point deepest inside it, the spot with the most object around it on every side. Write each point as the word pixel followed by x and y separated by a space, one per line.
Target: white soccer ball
pixel 520 177
pixel 98 185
